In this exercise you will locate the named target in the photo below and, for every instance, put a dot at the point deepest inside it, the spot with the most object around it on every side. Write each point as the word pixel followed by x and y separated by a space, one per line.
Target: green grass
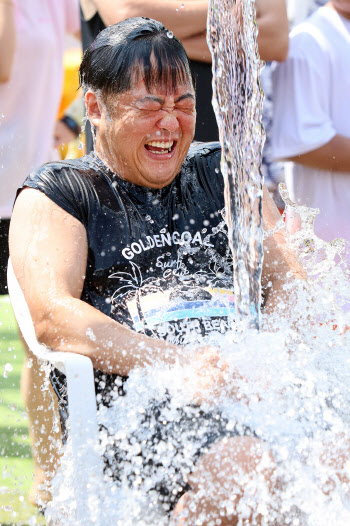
pixel 16 465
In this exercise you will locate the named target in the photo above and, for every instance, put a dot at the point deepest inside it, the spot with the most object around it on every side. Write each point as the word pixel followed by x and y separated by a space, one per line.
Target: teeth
pixel 158 144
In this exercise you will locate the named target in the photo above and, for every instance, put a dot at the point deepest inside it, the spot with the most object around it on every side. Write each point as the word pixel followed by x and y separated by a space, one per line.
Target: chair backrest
pixel 22 314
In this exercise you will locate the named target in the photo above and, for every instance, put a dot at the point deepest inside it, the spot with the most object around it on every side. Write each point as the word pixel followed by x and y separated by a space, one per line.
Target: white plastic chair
pixel 83 428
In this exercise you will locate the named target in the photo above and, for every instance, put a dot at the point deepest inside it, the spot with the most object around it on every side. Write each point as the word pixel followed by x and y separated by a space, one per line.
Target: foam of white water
pixel 289 384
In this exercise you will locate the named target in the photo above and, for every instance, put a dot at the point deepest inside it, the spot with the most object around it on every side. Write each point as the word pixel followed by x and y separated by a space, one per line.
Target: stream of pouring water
pixel 237 102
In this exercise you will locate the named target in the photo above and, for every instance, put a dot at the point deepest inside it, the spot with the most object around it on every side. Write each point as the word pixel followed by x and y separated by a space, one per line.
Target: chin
pixel 158 181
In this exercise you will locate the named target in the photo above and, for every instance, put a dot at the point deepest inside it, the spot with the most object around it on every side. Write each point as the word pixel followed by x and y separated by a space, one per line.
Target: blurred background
pixel 16 463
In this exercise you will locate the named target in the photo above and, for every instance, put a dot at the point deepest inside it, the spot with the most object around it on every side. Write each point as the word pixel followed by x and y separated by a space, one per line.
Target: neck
pixel 105 157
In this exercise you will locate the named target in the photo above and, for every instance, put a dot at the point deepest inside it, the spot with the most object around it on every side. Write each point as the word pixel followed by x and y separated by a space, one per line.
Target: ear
pixel 93 108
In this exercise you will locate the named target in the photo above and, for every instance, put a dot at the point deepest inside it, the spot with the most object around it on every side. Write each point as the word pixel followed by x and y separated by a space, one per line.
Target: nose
pixel 168 121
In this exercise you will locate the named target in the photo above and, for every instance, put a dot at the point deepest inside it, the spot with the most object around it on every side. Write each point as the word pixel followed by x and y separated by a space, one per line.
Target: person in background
pixel 31 50
pixel 311 125
pixel 299 10
pixel 187 19
pixel 273 172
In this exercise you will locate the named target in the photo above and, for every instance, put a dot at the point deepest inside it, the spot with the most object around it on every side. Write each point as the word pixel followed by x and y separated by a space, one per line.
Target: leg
pixel 45 437
pixel 228 483
pixel 335 459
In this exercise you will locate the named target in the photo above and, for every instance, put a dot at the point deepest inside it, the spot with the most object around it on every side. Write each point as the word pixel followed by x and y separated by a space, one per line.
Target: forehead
pixel 139 91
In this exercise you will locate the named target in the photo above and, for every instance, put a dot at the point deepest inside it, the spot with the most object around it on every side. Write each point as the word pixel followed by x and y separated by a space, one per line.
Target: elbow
pixel 6 67
pixel 109 18
pixel 46 333
pixel 4 77
pixel 282 50
pixel 276 50
pixel 43 332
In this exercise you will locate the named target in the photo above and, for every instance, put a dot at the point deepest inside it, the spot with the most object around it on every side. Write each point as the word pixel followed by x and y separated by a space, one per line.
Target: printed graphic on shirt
pixel 189 293
pixel 170 305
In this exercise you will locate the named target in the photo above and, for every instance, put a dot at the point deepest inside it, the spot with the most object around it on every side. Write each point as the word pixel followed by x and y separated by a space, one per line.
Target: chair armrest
pixel 77 368
pixel 86 460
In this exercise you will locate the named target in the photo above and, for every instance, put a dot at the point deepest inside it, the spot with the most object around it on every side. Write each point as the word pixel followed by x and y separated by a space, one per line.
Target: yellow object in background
pixel 70 90
pixel 71 62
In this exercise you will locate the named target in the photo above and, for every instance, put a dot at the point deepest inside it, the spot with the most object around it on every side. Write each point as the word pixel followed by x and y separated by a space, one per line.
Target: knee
pixel 233 462
pixel 233 480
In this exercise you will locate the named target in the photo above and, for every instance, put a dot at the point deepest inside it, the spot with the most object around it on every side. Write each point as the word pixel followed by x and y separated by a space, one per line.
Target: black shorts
pixel 158 453
pixel 4 254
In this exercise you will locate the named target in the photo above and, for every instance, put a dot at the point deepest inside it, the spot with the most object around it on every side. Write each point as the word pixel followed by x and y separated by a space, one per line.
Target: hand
pixel 213 377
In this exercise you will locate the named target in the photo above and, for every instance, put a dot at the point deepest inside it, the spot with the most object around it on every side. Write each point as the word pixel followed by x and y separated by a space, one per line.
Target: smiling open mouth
pixel 160 147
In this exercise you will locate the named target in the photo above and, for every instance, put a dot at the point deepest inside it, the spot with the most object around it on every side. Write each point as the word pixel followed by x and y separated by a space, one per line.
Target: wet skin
pixel 144 136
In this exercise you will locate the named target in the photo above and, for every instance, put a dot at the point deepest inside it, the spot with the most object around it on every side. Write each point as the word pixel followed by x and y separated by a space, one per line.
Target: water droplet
pixel 7 369
pixel 170 34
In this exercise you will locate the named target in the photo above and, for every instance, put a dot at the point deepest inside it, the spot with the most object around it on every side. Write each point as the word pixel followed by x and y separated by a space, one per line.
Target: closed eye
pixel 149 106
pixel 150 103
pixel 185 104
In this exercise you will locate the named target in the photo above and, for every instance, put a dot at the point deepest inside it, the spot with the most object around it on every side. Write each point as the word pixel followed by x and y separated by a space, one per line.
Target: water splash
pixel 237 101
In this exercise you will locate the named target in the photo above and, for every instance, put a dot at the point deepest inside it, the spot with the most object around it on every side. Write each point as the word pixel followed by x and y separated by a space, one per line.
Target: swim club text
pixel 162 240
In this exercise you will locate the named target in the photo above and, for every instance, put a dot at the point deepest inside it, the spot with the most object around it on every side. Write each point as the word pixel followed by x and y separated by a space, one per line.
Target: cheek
pixel 187 123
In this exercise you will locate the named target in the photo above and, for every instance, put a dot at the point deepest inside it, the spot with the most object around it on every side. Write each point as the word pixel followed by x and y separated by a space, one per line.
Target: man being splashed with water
pixel 123 257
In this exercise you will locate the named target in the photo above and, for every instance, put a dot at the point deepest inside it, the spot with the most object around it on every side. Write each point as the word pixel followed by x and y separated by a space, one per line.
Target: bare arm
pixel 197 48
pixel 280 261
pixel 48 250
pixel 271 17
pixel 333 156
pixel 7 39
pixel 189 23
pixel 183 21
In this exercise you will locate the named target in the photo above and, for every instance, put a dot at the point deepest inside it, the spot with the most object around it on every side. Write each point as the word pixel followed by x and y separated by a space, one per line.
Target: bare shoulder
pixel 46 241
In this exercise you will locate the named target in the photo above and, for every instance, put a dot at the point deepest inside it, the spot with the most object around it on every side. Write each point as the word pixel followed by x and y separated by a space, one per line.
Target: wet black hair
pixel 121 54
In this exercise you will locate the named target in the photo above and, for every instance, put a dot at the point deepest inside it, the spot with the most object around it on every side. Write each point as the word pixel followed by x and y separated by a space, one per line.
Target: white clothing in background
pixel 312 105
pixel 30 100
pixel 298 10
